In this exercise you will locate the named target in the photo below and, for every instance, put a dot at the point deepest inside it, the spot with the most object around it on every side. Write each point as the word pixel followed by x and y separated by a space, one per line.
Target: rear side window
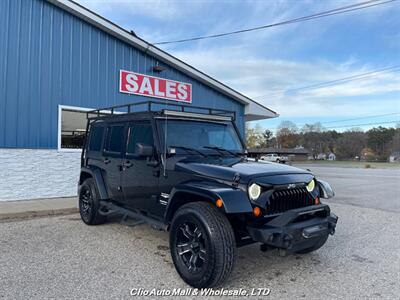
pixel 139 133
pixel 115 139
pixel 96 137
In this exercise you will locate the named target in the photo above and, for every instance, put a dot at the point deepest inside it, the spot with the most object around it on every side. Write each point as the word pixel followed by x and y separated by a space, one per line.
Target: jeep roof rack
pixel 164 108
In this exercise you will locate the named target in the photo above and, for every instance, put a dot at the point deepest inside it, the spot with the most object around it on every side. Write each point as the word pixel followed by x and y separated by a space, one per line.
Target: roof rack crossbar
pixel 129 109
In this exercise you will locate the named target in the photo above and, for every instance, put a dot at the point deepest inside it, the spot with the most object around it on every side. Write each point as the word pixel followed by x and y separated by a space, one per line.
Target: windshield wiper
pixel 189 149
pixel 220 150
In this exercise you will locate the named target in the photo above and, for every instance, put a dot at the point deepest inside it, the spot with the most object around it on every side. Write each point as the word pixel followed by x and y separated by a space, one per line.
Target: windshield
pixel 200 135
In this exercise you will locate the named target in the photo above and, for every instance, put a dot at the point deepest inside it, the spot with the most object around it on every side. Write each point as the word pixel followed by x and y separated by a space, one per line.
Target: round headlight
pixel 310 186
pixel 254 191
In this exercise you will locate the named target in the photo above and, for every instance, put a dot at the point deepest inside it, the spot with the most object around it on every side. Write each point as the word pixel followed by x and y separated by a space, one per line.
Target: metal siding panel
pixel 103 69
pixel 76 62
pixel 55 74
pixel 4 24
pixel 34 71
pixel 111 45
pixel 63 60
pixel 23 98
pixel 94 68
pixel 66 59
pixel 46 77
pixel 12 85
pixel 85 64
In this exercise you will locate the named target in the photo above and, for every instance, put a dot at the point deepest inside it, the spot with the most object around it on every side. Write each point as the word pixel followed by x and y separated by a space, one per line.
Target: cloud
pixel 266 80
pixel 157 9
pixel 381 84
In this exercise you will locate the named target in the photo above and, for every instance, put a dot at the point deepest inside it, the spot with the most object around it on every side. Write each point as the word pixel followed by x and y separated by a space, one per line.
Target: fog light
pixel 256 211
pixel 317 201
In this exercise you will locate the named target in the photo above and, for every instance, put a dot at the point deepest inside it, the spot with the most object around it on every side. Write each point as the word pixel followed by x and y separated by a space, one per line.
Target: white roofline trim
pixel 251 106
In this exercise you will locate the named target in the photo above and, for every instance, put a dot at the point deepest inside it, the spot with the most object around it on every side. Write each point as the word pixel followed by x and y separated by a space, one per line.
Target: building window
pixel 73 127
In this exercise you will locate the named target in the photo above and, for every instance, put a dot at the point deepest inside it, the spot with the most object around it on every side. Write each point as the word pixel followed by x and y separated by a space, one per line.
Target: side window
pixel 96 137
pixel 115 139
pixel 139 133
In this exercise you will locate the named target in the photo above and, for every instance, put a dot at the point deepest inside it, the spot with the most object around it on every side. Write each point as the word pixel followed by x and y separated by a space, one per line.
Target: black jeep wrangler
pixel 184 169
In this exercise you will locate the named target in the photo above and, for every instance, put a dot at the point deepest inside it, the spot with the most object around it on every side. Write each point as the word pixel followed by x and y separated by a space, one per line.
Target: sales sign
pixel 150 86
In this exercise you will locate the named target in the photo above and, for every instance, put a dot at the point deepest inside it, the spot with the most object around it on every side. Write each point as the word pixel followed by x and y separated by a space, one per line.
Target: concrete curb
pixel 33 214
pixel 10 210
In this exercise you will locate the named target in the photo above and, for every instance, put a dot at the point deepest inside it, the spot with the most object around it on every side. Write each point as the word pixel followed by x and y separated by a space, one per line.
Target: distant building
pixel 296 154
pixel 321 156
pixel 331 156
pixel 394 157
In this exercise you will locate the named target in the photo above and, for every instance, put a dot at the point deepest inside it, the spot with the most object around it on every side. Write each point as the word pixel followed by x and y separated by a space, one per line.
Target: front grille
pixel 283 200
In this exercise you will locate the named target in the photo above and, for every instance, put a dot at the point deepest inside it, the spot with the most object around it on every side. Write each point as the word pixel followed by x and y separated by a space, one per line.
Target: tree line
pixel 375 144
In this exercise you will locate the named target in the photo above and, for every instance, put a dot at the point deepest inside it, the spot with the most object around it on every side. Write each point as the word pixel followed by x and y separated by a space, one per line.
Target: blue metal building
pixel 56 54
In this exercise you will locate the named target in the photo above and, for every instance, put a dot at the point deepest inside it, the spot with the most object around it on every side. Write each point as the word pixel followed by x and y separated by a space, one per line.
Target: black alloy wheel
pixel 191 247
pixel 89 203
pixel 85 203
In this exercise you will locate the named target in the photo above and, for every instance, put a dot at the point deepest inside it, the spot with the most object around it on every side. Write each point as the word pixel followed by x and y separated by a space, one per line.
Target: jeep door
pixel 139 179
pixel 114 147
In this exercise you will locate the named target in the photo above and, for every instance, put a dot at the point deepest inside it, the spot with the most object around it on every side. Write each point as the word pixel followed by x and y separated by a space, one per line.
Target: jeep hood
pixel 247 170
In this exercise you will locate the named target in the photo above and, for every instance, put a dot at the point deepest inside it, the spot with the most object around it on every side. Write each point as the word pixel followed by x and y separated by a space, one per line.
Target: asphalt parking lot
pixel 60 257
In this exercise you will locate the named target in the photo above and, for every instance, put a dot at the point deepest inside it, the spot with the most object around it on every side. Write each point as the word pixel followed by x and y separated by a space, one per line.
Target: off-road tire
pixel 92 215
pixel 219 240
pixel 318 244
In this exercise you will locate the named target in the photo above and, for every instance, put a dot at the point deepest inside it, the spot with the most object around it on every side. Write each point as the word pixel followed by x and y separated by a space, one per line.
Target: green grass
pixel 352 164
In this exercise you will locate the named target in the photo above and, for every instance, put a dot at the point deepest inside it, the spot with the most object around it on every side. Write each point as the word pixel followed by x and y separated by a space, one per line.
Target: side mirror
pixel 143 150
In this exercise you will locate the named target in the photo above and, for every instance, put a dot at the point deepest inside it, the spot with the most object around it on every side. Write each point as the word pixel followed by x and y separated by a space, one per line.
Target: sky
pixel 270 64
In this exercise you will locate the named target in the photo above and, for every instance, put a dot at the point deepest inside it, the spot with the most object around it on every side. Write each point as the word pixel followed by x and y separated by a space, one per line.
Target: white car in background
pixel 274 158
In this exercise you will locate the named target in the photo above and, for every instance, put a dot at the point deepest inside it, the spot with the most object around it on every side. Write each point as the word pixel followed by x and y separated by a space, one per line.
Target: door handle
pixel 107 161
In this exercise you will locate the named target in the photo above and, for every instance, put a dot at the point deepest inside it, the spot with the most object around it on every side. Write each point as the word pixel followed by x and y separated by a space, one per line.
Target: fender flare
pixel 325 190
pixel 234 199
pixel 97 176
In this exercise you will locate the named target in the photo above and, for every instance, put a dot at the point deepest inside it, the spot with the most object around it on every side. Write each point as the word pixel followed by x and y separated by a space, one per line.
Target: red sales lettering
pixel 139 84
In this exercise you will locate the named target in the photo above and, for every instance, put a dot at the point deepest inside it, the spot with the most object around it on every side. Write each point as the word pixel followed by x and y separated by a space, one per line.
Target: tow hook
pixel 265 248
pixel 287 241
pixel 282 252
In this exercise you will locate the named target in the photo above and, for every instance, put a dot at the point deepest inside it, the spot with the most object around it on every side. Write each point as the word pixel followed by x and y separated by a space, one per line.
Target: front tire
pixel 202 244
pixel 89 203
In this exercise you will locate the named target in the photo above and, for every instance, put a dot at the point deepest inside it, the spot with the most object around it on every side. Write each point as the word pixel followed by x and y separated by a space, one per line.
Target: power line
pixel 347 120
pixel 352 119
pixel 361 76
pixel 365 124
pixel 350 125
pixel 336 11
pixel 360 118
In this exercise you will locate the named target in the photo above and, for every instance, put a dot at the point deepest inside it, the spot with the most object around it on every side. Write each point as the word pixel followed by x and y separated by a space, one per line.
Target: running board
pixel 113 208
pixel 244 241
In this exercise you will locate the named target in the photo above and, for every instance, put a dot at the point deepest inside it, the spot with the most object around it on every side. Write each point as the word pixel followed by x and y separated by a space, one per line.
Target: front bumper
pixel 288 231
